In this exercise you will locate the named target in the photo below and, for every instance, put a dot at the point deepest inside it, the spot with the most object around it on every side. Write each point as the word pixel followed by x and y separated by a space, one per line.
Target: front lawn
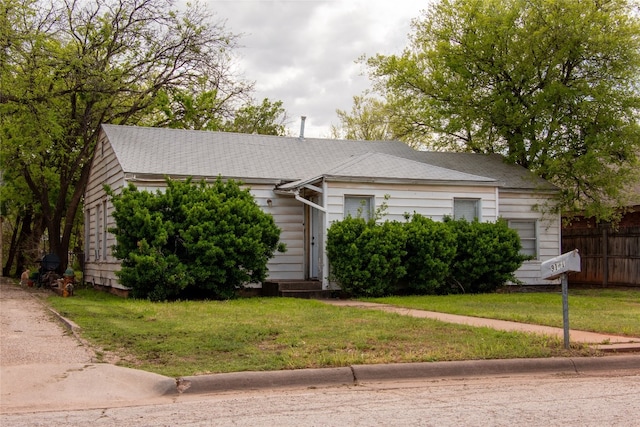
pixel 197 337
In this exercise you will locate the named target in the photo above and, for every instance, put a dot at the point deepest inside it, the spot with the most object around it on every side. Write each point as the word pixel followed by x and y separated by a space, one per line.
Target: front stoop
pixel 308 289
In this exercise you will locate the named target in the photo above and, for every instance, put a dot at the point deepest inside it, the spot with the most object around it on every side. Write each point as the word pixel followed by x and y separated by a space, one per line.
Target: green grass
pixel 598 310
pixel 189 338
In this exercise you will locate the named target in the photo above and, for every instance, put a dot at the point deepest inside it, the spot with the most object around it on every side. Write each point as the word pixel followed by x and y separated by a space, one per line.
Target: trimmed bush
pixel 422 256
pixel 431 247
pixel 366 258
pixel 487 255
pixel 193 241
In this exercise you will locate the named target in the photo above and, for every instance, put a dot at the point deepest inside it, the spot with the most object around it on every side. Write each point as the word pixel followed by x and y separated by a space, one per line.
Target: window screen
pixel 468 209
pixel 98 246
pixel 358 206
pixel 104 229
pixel 528 236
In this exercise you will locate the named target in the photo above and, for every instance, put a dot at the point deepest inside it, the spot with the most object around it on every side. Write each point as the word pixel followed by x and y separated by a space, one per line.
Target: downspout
pixel 325 259
pixel 308 202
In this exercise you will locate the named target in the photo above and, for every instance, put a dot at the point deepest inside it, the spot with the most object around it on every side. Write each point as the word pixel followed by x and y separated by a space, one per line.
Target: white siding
pixel 434 202
pixel 104 170
pixel 521 205
pixel 288 214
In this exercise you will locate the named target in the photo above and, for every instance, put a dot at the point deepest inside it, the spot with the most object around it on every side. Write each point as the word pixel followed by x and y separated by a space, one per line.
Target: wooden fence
pixel 609 256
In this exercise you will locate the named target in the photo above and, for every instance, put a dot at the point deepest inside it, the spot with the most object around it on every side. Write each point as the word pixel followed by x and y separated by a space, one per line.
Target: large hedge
pixel 430 249
pixel 192 241
pixel 487 256
pixel 422 256
pixel 365 257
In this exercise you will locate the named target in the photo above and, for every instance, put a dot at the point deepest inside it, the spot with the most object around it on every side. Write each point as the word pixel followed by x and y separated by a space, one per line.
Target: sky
pixel 305 52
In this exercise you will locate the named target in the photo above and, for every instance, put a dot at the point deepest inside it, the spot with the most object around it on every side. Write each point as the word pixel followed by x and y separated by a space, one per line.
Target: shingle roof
pixel 386 167
pixel 201 153
pixel 490 165
pixel 177 152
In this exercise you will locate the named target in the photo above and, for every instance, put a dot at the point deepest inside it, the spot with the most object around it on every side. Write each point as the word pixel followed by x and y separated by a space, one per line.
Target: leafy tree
pixel 68 66
pixel 192 241
pixel 369 120
pixel 266 118
pixel 553 85
pixel 204 109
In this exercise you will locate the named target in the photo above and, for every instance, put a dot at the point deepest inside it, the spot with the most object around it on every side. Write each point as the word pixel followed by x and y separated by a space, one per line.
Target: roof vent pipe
pixel 302 119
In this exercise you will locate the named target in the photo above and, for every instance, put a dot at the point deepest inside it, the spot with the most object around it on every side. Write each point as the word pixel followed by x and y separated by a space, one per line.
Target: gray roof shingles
pixel 177 152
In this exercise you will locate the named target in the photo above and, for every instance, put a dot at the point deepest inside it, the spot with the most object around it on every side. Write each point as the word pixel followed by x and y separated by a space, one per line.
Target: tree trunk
pixel 13 248
pixel 25 242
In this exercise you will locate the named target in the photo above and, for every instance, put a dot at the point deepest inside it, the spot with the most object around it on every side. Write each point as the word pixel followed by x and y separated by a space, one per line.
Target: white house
pixel 308 183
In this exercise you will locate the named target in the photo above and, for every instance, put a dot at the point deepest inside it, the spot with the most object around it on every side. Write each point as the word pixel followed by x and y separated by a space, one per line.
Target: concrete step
pixel 305 294
pixel 308 285
pixel 295 289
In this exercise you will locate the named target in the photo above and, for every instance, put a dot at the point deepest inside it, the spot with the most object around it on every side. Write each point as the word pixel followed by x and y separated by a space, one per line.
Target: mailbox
pixel 565 263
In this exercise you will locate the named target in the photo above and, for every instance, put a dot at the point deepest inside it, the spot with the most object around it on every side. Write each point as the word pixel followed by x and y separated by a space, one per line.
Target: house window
pixel 87 234
pixel 104 229
pixel 468 209
pixel 358 207
pixel 528 232
pixel 97 233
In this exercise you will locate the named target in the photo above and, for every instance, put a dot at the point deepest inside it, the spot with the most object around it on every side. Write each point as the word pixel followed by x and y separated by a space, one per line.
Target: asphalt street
pixel 532 401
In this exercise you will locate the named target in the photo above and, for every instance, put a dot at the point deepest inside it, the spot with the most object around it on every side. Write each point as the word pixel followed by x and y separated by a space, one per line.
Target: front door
pixel 315 242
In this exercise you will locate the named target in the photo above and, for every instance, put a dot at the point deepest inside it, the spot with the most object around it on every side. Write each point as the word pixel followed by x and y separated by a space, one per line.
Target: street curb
pixel 463 369
pixel 253 380
pixel 358 374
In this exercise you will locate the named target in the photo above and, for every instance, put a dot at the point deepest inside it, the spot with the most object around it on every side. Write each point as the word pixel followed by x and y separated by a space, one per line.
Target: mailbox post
pixel 560 267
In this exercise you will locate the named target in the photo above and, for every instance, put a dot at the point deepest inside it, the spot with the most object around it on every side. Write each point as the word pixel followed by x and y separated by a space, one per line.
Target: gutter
pixel 296 194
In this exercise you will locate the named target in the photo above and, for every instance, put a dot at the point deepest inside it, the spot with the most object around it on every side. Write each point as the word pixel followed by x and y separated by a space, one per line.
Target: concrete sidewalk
pixel 603 342
pixel 45 367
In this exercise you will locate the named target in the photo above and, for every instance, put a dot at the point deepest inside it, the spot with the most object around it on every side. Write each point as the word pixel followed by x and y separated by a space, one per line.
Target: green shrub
pixel 487 255
pixel 192 241
pixel 365 257
pixel 422 256
pixel 431 247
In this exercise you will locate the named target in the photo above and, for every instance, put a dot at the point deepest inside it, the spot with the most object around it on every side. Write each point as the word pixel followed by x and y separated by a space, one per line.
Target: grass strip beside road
pixel 198 337
pixel 609 311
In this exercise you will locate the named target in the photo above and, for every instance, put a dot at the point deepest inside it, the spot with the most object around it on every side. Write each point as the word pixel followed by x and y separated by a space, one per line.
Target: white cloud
pixel 303 52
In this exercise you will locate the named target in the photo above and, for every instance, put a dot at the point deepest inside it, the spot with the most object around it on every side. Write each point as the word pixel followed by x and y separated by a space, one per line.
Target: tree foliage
pixel 265 118
pixel 551 84
pixel 68 66
pixel 191 241
pixel 370 119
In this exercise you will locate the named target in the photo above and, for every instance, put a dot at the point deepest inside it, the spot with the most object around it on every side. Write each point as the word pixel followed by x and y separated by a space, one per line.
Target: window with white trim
pixel 468 209
pixel 358 207
pixel 87 235
pixel 97 233
pixel 104 229
pixel 528 231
